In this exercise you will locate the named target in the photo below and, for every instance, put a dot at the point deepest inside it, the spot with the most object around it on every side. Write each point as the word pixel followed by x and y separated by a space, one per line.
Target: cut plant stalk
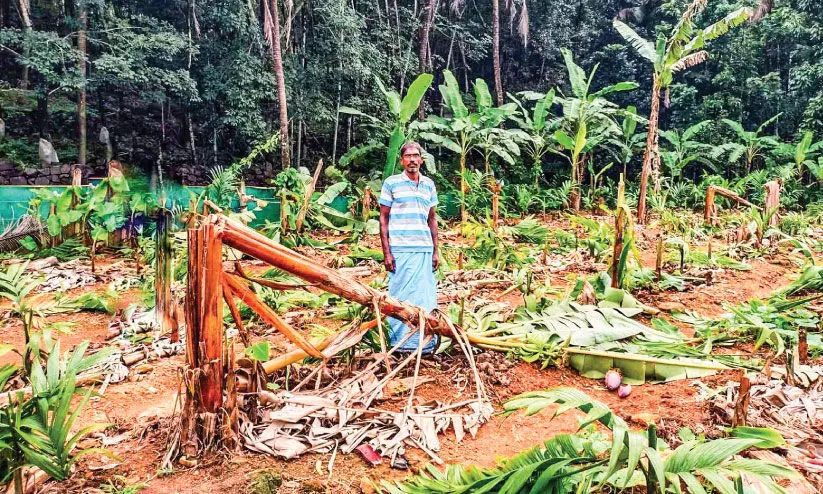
pixel 301 215
pixel 207 419
pixel 658 263
pixel 710 209
pixel 204 377
pixel 163 277
pixel 623 238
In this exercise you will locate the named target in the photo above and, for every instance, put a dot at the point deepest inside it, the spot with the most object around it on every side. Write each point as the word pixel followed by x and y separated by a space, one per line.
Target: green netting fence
pixel 14 202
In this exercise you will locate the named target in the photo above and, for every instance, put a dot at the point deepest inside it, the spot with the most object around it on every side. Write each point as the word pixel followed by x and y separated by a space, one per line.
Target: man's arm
pixel 388 259
pixel 433 228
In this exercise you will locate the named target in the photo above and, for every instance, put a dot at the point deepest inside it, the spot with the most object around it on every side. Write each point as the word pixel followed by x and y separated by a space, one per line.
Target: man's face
pixel 411 160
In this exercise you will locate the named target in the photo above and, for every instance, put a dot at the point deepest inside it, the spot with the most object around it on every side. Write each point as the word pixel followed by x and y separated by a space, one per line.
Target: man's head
pixel 411 157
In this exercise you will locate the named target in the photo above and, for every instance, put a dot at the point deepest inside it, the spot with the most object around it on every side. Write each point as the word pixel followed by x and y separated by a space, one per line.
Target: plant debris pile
pixel 796 413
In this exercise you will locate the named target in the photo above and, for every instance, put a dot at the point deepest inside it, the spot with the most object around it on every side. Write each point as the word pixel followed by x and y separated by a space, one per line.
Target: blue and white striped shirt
pixel 410 204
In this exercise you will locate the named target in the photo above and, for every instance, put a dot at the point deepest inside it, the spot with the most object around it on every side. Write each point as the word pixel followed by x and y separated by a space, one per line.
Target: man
pixel 408 233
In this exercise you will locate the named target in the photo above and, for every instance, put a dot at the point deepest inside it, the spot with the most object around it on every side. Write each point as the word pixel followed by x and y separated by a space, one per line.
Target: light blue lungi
pixel 412 281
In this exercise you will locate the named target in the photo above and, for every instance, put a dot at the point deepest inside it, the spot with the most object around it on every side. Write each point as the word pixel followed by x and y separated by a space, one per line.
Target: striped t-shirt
pixel 410 203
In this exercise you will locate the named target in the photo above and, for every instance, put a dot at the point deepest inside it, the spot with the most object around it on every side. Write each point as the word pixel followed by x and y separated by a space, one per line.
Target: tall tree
pixel 498 78
pixel 25 18
pixel 271 27
pixel 682 49
pixel 424 58
pixel 81 96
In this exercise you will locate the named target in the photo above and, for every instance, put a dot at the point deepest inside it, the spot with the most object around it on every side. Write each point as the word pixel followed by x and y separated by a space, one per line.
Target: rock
pixel 30 172
pixel 42 181
pixel 6 165
pixel 65 169
pixel 671 306
pixel 265 482
pixel 18 181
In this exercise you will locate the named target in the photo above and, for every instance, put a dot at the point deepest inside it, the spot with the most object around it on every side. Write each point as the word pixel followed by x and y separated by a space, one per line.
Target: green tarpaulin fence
pixel 14 202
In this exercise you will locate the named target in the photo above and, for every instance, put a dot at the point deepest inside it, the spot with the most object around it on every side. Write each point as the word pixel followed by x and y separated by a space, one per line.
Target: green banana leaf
pixel 639 369
pixel 585 325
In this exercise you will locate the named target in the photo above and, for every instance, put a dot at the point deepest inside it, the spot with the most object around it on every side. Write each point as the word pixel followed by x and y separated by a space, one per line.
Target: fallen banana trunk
pixel 253 243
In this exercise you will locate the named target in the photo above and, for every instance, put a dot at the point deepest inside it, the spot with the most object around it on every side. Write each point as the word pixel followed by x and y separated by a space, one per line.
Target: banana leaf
pixel 585 325
pixel 639 369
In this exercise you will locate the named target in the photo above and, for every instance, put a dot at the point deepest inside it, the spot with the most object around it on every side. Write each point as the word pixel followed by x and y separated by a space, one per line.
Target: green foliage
pixel 20 152
pixel 401 111
pixel 37 430
pixel 260 351
pixel 752 145
pixel 774 322
pixel 588 462
pixel 684 150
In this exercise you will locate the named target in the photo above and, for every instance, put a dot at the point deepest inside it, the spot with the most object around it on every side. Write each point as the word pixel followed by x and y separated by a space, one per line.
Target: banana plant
pixel 682 49
pixel 467 131
pixel 588 462
pixel 401 111
pixel 588 120
pixel 684 149
pixel 503 143
pixel 805 153
pixel 538 129
pixel 752 145
pixel 624 146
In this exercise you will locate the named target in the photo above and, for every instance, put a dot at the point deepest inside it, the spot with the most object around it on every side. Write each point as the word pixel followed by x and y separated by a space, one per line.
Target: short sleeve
pixel 433 199
pixel 386 198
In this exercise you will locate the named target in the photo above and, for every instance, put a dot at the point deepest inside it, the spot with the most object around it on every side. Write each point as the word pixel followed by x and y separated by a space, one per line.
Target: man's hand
pixel 388 262
pixel 435 261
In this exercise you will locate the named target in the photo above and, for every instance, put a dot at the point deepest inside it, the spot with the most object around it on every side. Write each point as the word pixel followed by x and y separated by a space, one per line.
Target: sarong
pixel 413 282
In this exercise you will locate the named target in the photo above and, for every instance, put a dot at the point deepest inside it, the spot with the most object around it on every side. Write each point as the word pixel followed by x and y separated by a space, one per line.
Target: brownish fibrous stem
pixel 709 208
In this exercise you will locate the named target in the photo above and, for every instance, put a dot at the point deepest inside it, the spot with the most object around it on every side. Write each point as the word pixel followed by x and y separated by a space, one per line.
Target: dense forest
pixel 182 86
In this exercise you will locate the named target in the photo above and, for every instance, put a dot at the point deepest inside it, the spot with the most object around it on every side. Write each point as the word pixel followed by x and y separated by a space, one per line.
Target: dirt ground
pixel 140 409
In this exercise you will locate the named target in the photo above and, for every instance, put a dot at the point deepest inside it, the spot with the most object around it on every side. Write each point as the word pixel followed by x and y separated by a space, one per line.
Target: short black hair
pixel 410 144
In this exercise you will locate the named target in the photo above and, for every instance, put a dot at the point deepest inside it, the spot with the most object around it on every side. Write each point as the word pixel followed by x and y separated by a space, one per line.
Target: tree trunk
pixel 192 142
pixel 273 34
pixel 4 13
pixel 498 82
pixel 163 279
pixel 337 117
pixel 651 150
pixel 422 56
pixel 42 114
pixel 81 97
pixel 25 18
